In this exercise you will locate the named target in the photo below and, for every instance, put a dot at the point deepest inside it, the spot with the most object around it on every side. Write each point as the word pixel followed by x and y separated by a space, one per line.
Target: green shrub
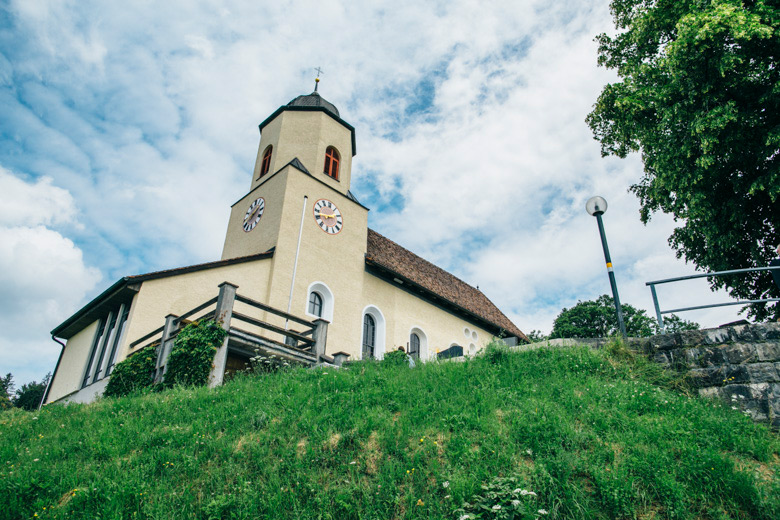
pixel 192 355
pixel 395 358
pixel 502 499
pixel 496 352
pixel 132 374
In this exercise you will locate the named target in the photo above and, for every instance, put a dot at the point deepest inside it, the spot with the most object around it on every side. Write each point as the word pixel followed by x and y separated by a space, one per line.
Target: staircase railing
pixel 302 346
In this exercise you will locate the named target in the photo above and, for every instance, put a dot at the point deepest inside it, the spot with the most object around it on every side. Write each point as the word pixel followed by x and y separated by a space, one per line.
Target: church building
pixel 301 277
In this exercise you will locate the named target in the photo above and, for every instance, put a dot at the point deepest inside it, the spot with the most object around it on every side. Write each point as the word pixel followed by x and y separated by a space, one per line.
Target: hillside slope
pixel 592 434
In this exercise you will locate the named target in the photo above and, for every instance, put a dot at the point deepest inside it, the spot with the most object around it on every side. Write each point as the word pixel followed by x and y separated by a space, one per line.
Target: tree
pixel 30 395
pixel 699 100
pixel 597 319
pixel 6 388
pixel 673 323
pixel 537 335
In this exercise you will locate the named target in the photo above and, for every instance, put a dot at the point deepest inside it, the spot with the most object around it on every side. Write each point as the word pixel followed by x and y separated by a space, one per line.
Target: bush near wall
pixel 133 374
pixel 192 355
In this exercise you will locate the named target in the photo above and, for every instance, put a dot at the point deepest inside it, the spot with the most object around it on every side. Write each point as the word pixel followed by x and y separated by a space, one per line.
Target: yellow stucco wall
pixel 73 363
pixel 404 312
pixel 264 235
pixel 306 135
pixel 178 294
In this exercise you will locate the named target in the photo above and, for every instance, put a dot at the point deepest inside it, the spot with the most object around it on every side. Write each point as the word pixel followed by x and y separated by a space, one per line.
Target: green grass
pixel 595 434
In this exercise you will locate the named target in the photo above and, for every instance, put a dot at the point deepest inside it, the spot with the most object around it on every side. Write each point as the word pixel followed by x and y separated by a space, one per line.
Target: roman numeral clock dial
pixel 253 214
pixel 328 216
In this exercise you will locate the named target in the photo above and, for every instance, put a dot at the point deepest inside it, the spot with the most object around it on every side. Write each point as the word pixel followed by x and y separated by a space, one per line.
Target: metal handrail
pixel 659 313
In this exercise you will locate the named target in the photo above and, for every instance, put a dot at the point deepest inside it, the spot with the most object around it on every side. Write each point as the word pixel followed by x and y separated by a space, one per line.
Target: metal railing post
pixel 658 315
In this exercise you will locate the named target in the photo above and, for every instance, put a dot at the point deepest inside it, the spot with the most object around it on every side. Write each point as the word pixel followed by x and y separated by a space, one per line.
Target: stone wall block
pixel 692 338
pixel 763 372
pixel 735 374
pixel 664 341
pixel 736 393
pixel 744 333
pixel 704 377
pixel 712 356
pixel 739 353
pixel 663 358
pixel 750 399
pixel 713 392
pixel 769 331
pixel 768 351
pixel 689 356
pixel 773 400
pixel 716 336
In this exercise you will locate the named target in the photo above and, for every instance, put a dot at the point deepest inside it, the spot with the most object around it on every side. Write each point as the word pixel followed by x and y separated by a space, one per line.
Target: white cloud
pixel 35 204
pixel 42 274
pixel 132 128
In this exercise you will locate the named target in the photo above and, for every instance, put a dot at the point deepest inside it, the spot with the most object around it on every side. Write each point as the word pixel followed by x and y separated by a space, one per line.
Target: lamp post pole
pixel 596 206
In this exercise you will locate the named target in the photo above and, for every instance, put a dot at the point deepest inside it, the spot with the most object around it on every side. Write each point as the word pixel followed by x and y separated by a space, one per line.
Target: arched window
pixel 266 164
pixel 315 304
pixel 369 336
pixel 332 159
pixel 320 303
pixel 414 345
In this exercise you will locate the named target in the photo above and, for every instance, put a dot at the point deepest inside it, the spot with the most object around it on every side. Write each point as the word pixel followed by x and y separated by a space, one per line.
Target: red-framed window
pixel 332 160
pixel 266 164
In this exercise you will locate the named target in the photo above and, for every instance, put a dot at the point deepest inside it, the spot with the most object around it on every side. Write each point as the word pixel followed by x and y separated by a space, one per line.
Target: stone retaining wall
pixel 740 364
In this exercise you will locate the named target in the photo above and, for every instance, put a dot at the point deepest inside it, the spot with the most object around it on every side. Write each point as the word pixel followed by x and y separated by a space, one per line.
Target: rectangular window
pixel 102 355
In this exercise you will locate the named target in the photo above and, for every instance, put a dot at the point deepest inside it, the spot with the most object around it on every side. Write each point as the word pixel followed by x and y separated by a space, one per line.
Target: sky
pixel 127 129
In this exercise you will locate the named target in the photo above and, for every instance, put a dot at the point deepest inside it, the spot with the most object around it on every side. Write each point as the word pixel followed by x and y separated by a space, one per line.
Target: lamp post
pixel 596 206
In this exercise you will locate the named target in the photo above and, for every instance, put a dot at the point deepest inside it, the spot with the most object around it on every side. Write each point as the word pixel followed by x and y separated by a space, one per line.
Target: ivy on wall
pixel 133 374
pixel 192 355
pixel 189 363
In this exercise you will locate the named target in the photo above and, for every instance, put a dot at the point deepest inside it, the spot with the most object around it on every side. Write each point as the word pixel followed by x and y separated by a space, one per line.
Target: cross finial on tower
pixel 317 79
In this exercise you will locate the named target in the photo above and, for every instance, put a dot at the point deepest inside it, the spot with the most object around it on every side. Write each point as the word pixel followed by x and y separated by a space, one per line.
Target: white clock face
pixel 328 216
pixel 253 214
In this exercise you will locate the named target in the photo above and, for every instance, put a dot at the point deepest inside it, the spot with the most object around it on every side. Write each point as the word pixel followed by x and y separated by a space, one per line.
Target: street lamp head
pixel 596 206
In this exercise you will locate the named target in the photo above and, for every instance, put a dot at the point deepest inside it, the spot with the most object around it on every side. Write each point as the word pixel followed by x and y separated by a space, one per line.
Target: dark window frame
pixel 369 336
pixel 316 304
pixel 414 345
pixel 332 162
pixel 265 165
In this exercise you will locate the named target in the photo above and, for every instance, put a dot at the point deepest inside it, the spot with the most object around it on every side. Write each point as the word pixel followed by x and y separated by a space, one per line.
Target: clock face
pixel 328 216
pixel 253 214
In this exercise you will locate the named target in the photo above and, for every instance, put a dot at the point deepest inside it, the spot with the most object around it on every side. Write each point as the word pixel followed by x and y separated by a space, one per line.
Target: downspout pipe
pixel 48 385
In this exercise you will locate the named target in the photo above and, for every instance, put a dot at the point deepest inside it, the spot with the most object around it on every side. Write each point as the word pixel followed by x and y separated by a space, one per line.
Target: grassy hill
pixel 591 434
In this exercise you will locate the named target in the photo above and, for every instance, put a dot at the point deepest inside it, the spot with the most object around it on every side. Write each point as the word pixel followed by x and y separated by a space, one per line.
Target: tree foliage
pixel 597 319
pixel 6 389
pixel 699 98
pixel 29 396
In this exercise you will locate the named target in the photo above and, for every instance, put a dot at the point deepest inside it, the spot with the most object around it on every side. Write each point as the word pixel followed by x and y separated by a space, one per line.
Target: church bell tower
pixel 304 137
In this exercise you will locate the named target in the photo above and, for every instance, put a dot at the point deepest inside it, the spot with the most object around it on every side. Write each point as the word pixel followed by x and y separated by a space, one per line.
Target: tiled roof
pixel 314 100
pixel 386 254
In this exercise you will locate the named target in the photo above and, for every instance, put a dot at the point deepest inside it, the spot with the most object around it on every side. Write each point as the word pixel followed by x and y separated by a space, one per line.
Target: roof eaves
pixel 126 282
pixel 312 109
pixel 105 295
